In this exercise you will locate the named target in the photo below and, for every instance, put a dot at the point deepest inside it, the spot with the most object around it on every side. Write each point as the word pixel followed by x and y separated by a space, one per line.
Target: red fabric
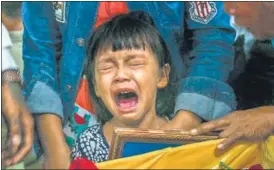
pixel 83 98
pixel 82 163
pixel 78 119
pixel 107 10
pixel 256 167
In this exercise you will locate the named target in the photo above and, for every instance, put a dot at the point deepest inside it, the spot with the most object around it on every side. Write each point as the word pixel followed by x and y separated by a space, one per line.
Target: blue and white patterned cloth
pixel 92 145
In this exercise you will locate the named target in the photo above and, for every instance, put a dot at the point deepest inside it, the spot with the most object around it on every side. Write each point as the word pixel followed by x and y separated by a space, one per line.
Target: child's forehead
pixel 124 53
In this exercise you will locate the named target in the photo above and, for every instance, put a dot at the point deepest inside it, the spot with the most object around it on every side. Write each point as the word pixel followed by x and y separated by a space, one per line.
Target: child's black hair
pixel 134 30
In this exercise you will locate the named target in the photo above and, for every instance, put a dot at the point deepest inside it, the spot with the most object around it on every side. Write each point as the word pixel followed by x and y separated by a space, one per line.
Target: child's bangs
pixel 125 38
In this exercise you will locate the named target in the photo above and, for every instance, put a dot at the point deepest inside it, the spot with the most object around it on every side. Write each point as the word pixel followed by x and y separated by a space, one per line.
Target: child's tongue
pixel 128 103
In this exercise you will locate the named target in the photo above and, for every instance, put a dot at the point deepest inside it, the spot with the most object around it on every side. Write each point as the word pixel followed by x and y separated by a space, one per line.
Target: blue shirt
pixel 63 31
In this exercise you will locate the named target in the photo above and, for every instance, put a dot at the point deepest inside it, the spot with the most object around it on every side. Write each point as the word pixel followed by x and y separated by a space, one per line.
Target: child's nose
pixel 122 75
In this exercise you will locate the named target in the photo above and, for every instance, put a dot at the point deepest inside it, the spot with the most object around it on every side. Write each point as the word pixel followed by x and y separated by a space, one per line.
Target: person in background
pixel 54 52
pixel 11 18
pixel 18 118
pixel 255 122
pixel 254 16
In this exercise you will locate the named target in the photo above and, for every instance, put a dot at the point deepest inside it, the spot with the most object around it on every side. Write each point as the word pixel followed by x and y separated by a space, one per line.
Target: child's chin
pixel 132 119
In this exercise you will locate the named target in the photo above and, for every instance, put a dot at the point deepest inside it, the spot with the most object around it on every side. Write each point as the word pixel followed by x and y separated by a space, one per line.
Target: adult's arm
pixel 40 76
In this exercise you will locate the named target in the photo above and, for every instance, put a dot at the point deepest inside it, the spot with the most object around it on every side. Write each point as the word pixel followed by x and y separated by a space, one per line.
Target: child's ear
pixel 164 76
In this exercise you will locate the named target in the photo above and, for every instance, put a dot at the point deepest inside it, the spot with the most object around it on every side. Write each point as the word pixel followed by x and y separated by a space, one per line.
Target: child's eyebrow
pixel 134 56
pixel 127 57
pixel 105 60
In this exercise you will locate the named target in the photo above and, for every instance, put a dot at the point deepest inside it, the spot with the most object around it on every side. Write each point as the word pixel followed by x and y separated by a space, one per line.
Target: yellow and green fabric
pixel 201 155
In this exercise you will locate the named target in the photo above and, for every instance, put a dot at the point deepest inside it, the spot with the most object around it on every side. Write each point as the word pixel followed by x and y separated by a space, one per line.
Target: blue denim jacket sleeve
pixel 204 91
pixel 39 41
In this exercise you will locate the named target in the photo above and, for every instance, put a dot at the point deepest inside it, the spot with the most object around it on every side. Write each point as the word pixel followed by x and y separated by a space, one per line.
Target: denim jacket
pixel 50 32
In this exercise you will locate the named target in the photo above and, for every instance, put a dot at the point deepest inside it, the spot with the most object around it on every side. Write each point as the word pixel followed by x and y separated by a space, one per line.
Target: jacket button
pixel 80 42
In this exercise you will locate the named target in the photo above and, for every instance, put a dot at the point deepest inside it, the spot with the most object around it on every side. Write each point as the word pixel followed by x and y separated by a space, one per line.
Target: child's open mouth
pixel 126 101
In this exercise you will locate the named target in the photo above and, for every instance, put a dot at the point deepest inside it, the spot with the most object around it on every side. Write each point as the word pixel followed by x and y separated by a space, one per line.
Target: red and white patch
pixel 202 11
pixel 59 10
pixel 79 114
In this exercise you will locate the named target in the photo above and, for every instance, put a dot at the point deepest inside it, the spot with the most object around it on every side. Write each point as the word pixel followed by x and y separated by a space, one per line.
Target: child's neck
pixel 151 121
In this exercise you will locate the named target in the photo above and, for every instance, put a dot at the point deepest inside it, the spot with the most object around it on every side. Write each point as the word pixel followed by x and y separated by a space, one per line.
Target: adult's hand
pixel 184 120
pixel 255 16
pixel 20 125
pixel 250 125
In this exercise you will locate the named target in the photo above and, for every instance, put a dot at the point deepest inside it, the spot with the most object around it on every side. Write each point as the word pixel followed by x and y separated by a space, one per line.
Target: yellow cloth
pixel 200 155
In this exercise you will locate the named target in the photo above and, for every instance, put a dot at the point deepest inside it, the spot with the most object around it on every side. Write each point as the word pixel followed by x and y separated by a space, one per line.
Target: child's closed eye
pixel 105 66
pixel 136 63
